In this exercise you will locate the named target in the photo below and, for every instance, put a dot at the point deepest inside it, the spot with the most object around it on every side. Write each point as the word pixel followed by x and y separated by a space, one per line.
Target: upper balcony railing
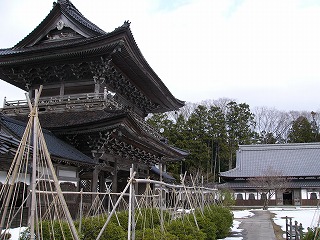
pixel 59 103
pixel 77 102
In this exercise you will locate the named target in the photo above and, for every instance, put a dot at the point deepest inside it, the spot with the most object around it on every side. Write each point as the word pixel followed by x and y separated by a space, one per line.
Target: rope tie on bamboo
pixel 33 113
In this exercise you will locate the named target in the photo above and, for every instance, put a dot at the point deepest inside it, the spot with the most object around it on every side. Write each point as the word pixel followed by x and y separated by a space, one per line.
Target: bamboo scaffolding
pixel 57 206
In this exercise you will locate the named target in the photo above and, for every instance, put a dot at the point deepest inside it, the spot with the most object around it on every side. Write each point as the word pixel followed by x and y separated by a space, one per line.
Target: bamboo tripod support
pixel 33 131
pixel 38 143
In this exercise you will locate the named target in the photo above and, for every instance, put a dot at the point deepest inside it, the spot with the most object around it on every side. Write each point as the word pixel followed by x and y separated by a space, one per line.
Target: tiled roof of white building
pixel 291 160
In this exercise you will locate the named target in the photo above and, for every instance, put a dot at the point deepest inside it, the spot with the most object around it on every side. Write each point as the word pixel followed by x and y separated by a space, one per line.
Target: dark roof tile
pixel 72 118
pixel 296 159
pixel 56 147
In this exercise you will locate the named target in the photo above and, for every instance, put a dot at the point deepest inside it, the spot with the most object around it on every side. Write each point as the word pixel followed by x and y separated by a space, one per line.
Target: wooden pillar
pixel 102 186
pixel 136 168
pixel 94 185
pixel 61 89
pixel 97 84
pixel 115 179
pixel 96 171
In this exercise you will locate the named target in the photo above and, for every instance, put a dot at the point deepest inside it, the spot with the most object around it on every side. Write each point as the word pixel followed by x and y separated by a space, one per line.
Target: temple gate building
pixel 97 90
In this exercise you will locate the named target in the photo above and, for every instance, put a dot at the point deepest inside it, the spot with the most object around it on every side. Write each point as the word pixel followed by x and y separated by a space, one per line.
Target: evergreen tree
pixel 218 135
pixel 301 131
pixel 240 125
pixel 210 134
pixel 197 126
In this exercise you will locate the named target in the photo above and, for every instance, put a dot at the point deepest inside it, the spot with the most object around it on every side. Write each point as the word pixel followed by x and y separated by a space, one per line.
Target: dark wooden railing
pixel 293 231
pixel 77 102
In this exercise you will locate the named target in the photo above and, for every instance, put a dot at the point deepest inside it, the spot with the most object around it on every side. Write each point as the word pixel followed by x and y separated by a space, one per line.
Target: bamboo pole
pixel 58 189
pixel 130 205
pixel 189 201
pixel 16 163
pixel 34 113
pixel 80 209
pixel 15 174
pixel 115 206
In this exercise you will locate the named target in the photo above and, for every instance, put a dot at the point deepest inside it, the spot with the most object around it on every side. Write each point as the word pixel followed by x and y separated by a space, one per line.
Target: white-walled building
pixel 297 162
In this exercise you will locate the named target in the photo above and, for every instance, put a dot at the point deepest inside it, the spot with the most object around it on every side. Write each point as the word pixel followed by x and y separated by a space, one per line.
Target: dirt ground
pixel 277 229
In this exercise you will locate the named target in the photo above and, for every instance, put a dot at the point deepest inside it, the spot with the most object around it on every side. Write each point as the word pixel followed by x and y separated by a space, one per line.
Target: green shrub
pixel 6 236
pixel 206 225
pixel 217 217
pixel 227 198
pixel 310 235
pixel 213 223
pixel 185 230
pixel 91 227
pixel 122 217
pixel 149 218
pixel 50 230
pixel 154 234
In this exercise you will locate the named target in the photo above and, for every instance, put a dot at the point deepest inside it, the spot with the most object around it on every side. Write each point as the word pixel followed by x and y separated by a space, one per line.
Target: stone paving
pixel 257 227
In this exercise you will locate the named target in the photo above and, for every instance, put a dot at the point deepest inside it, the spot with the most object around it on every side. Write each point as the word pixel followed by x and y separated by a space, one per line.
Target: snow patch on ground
pixel 242 213
pixel 15 232
pixel 308 217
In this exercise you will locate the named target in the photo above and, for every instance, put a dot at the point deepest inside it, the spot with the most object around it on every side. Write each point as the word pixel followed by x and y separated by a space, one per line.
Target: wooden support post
pixel 102 187
pixel 80 209
pixel 287 227
pixel 102 184
pixel 301 231
pixel 115 180
pixel 34 112
pixel 131 209
pixel 161 200
pixel 290 228
pixel 296 230
pixel 95 176
pixel 202 195
pixel 34 183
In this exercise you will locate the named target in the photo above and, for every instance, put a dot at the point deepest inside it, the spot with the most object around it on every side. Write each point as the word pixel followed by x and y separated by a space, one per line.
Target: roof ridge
pixel 280 146
pixel 67 6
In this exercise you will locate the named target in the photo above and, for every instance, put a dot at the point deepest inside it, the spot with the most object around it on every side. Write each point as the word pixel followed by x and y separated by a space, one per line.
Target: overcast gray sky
pixel 261 52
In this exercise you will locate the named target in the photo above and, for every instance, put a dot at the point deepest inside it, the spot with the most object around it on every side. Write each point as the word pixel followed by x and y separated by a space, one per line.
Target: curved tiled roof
pixel 56 147
pixel 54 120
pixel 120 45
pixel 8 144
pixel 291 160
pixel 165 175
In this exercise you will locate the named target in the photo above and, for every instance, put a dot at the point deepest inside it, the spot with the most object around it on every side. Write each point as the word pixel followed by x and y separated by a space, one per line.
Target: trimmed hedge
pixel 154 234
pixel 221 217
pixel 214 222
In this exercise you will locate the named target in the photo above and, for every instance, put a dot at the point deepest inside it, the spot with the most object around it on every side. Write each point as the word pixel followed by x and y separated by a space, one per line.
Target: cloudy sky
pixel 261 52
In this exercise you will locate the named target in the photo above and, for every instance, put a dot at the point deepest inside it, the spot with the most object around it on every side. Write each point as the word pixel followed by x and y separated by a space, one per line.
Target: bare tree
pixel 187 109
pixel 272 122
pixel 270 182
pixel 221 103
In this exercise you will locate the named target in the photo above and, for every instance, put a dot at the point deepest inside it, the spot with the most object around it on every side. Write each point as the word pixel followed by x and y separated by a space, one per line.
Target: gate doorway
pixel 287 198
